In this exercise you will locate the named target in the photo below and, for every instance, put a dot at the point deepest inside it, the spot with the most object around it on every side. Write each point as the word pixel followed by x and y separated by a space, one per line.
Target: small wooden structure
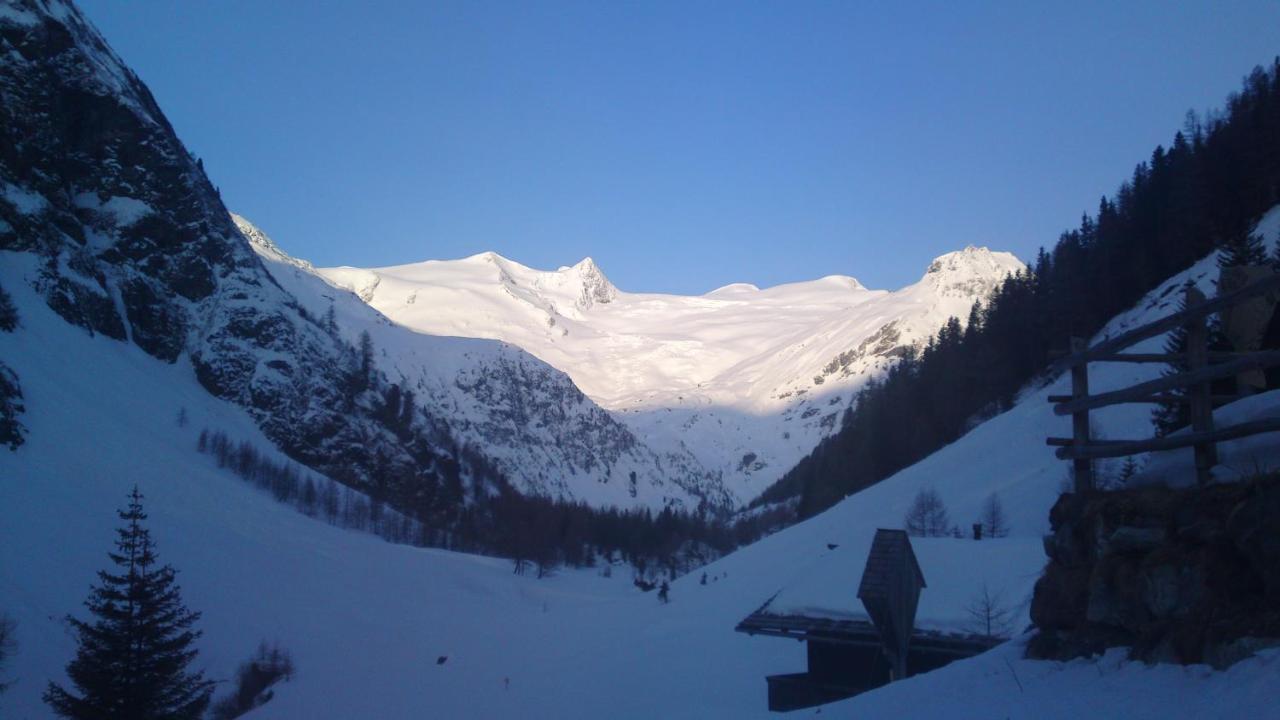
pixel 849 656
pixel 1203 368
pixel 890 591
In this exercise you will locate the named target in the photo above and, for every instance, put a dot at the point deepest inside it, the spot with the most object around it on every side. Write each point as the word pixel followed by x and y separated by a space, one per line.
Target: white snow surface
pixel 124 210
pixel 448 374
pixel 952 569
pixel 366 621
pixel 748 380
pixel 24 201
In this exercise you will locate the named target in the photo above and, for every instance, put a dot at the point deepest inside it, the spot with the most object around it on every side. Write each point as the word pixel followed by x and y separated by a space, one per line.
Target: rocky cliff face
pixel 134 244
pixel 1189 576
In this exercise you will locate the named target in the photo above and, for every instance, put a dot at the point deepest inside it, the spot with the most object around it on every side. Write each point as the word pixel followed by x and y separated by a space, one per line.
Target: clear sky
pixel 683 145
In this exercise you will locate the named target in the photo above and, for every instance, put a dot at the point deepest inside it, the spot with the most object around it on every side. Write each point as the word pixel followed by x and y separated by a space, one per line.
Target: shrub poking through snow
pixel 254 680
pixel 989 615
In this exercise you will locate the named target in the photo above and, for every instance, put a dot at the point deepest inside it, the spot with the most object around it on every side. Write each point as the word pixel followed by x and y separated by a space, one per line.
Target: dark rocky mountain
pixel 133 243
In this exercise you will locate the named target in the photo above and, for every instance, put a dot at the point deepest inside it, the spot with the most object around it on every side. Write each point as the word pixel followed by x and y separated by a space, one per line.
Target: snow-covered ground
pixel 366 621
pixel 746 379
pixel 1001 684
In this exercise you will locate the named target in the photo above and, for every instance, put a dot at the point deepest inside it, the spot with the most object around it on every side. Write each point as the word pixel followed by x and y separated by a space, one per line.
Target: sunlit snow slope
pixel 533 424
pixel 747 379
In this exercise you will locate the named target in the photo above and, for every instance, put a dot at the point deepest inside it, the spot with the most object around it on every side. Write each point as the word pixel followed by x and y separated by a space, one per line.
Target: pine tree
pixel 330 320
pixel 1173 414
pixel 132 659
pixel 1242 250
pixel 366 359
pixel 1128 470
pixel 8 313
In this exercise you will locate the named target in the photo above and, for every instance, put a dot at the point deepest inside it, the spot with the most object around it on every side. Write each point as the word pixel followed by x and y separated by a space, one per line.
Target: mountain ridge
pixel 747 379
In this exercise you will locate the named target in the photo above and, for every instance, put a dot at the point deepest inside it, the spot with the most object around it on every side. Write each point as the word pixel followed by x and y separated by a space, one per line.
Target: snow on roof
pixel 955 570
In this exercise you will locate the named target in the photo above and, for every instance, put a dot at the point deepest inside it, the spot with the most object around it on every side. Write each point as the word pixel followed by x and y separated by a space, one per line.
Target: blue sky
pixel 683 145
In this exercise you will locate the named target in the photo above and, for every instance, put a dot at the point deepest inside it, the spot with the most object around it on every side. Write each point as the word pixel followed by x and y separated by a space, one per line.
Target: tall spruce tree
pixel 132 659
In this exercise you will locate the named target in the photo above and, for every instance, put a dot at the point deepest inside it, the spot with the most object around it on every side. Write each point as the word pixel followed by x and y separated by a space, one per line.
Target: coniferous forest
pixel 538 533
pixel 1204 191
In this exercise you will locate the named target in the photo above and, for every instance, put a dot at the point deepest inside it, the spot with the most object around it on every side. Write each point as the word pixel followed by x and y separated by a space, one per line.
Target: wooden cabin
pixel 848 654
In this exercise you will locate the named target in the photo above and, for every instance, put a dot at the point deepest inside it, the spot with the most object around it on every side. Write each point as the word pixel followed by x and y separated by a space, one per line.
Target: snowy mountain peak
pixel 264 245
pixel 734 289
pixel 748 379
pixel 973 271
pixel 596 288
pixel 972 259
pixel 843 281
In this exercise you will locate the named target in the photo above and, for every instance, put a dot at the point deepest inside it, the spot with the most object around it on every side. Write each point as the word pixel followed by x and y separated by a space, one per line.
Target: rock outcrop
pixel 1186 576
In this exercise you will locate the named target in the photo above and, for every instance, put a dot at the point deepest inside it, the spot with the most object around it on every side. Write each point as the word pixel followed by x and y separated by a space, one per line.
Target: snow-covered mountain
pixel 709 398
pixel 746 379
pixel 113 223
pixel 525 416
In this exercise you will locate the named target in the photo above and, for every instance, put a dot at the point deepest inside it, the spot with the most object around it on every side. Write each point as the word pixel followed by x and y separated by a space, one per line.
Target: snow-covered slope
pixel 527 417
pixel 746 379
pixel 366 621
pixel 115 226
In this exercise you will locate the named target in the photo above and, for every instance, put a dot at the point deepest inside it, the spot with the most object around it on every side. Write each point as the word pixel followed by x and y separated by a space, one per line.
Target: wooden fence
pixel 1203 367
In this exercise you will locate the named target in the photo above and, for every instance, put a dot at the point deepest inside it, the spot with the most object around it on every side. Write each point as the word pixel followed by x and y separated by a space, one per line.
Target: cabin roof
pixel 825 584
pixel 858 632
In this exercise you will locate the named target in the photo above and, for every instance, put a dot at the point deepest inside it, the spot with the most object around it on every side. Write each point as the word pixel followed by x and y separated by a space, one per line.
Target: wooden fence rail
pixel 1203 367
pixel 1113 345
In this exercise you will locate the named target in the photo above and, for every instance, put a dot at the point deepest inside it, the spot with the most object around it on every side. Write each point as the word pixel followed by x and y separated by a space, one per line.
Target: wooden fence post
pixel 1082 467
pixel 1198 395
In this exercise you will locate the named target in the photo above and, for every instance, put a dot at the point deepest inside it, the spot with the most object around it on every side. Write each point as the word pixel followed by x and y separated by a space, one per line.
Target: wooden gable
pixel 890 591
